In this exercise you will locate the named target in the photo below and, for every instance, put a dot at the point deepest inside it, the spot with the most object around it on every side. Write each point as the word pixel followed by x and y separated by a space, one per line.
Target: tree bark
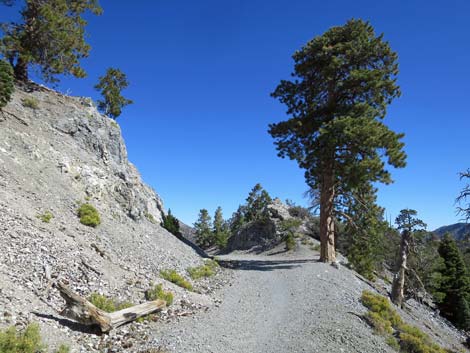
pixel 21 70
pixel 398 286
pixel 84 312
pixel 327 224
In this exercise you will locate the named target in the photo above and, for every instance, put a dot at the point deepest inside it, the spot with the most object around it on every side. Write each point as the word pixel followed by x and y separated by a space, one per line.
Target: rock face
pixel 52 159
pixel 264 234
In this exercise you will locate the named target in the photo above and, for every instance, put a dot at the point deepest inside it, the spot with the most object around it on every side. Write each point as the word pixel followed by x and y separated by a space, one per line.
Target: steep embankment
pixel 55 153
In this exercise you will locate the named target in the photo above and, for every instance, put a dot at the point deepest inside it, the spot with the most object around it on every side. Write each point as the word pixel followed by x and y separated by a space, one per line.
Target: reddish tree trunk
pixel 327 224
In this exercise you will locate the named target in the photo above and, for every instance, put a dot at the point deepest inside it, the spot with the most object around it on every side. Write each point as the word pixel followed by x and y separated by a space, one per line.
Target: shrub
pixel 176 278
pixel 157 292
pixel 63 349
pixel 149 217
pixel 7 83
pixel 206 270
pixel 385 320
pixel 290 241
pixel 89 216
pixel 30 102
pixel 28 341
pixel 45 217
pixel 102 302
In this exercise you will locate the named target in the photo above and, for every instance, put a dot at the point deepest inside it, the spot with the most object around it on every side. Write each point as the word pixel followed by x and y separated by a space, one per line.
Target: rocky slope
pixel 52 158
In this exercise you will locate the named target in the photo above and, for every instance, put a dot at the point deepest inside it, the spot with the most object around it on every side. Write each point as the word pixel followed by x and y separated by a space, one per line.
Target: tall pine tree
pixel 455 284
pixel 220 229
pixel 203 227
pixel 343 82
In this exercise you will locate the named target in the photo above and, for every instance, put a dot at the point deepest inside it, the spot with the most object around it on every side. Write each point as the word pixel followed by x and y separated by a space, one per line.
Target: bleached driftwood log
pixel 84 312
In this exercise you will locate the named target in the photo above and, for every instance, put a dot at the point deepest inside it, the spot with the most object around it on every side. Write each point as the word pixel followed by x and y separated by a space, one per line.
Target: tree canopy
pixel 343 82
pixel 110 85
pixel 50 36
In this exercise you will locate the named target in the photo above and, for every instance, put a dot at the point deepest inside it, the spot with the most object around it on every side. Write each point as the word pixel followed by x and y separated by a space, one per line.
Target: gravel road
pixel 280 303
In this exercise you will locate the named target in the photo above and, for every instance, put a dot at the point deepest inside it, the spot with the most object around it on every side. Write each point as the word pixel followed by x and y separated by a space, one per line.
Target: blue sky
pixel 201 74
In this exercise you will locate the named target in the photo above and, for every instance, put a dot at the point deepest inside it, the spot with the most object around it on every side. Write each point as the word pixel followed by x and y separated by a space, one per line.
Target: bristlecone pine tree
pixel 51 36
pixel 110 87
pixel 7 83
pixel 203 228
pixel 343 82
pixel 455 285
pixel 464 209
pixel 256 202
pixel 407 223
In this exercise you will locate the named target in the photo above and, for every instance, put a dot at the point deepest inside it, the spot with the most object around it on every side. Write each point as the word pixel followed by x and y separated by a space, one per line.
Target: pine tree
pixel 366 228
pixel 7 83
pixel 464 209
pixel 203 227
pixel 455 285
pixel 256 202
pixel 110 87
pixel 171 223
pixel 51 36
pixel 344 80
pixel 220 229
pixel 238 219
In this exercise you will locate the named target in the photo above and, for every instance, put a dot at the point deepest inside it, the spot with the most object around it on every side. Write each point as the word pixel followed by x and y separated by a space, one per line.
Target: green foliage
pixel 45 217
pixel 455 284
pixel 30 102
pixel 204 235
pixel 88 215
pixel 157 292
pixel 150 218
pixel 102 302
pixel 406 221
pixel 110 87
pixel 385 321
pixel 28 341
pixel 51 35
pixel 203 271
pixel 366 229
pixel 7 83
pixel 174 277
pixel 288 228
pixel 290 241
pixel 343 83
pixel 220 229
pixel 171 223
pixel 63 349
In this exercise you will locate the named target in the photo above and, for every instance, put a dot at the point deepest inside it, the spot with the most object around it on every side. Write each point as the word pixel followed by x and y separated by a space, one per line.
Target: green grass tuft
pixel 30 102
pixel 45 217
pixel 176 278
pixel 207 270
pixel 157 292
pixel 102 302
pixel 89 216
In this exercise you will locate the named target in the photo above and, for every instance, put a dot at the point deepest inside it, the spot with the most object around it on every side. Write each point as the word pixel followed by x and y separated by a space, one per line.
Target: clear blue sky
pixel 201 73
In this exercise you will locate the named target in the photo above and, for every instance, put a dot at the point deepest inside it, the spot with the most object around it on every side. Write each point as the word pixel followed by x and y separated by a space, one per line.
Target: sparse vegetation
pixel 88 215
pixel 26 341
pixel 206 270
pixel 7 83
pixel 174 277
pixel 45 217
pixel 157 292
pixel 150 218
pixel 290 241
pixel 385 321
pixel 171 223
pixel 30 102
pixel 107 304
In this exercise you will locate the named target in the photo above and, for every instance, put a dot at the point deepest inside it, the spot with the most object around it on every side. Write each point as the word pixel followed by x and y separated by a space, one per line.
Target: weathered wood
pixel 84 312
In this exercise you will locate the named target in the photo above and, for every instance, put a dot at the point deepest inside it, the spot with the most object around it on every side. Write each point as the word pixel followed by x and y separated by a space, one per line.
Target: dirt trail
pixel 280 303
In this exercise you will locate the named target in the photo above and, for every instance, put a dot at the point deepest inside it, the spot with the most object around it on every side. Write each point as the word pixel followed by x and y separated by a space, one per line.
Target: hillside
pixel 457 230
pixel 57 152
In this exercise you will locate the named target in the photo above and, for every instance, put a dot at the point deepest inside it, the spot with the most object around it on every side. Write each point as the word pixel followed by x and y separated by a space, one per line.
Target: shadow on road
pixel 263 265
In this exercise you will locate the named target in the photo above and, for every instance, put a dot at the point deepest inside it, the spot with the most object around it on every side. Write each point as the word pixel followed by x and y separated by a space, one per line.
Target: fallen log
pixel 84 312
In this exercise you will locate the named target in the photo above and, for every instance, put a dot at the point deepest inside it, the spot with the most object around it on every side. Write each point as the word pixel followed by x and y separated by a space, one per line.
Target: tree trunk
pixel 327 224
pixel 398 286
pixel 21 70
pixel 82 311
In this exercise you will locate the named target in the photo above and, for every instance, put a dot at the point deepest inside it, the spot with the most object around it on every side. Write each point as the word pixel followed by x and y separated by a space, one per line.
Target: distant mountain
pixel 457 230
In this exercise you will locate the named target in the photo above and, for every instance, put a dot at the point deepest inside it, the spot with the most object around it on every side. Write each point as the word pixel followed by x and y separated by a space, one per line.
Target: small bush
pixel 28 341
pixel 45 217
pixel 63 349
pixel 206 270
pixel 393 342
pixel 7 83
pixel 157 292
pixel 30 102
pixel 176 278
pixel 89 216
pixel 102 302
pixel 290 241
pixel 299 212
